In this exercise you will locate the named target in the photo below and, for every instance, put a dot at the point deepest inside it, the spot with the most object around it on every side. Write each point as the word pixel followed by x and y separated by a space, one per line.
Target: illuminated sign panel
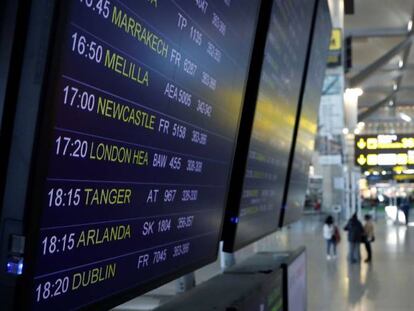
pixel 336 39
pixel 335 48
pixel 382 142
pixel 384 150
pixel 142 114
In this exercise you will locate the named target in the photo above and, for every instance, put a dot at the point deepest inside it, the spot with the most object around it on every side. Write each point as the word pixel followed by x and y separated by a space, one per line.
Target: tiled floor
pixel 385 285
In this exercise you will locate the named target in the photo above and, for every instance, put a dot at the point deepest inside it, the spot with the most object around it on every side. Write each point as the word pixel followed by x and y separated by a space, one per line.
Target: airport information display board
pixel 274 119
pixel 308 121
pixel 137 138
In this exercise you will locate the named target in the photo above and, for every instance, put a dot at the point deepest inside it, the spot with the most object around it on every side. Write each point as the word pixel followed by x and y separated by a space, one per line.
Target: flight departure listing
pixel 145 107
pixel 280 83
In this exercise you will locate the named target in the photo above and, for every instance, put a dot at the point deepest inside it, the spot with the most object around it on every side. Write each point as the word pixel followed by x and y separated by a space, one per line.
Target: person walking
pixel 406 210
pixel 369 236
pixel 355 236
pixel 329 236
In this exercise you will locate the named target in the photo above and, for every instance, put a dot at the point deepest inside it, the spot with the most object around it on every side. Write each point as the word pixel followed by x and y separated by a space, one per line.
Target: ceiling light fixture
pixel 345 131
pixel 410 25
pixel 405 117
pixel 400 63
pixel 395 87
pixel 354 91
pixel 351 95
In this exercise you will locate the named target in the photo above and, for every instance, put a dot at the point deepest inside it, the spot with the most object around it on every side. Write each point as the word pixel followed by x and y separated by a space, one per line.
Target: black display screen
pixel 274 119
pixel 308 122
pixel 140 122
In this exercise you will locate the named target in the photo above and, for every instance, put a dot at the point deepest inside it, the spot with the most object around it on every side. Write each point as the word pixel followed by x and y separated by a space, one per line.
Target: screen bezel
pixel 38 172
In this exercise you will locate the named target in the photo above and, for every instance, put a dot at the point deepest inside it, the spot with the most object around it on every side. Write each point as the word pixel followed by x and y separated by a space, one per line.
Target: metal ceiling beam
pixel 406 54
pixel 375 89
pixel 405 57
pixel 387 119
pixel 404 46
pixel 407 67
pixel 386 68
pixel 397 102
pixel 372 68
pixel 371 109
pixel 404 103
pixel 376 32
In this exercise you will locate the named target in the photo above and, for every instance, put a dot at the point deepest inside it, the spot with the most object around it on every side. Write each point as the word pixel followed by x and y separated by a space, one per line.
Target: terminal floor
pixel 385 285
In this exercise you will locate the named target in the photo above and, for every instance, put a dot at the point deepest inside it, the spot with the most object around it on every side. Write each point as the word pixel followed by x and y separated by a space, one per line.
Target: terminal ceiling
pixel 382 63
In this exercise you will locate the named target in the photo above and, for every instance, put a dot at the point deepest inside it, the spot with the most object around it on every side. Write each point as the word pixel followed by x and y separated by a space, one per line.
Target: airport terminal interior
pixel 206 155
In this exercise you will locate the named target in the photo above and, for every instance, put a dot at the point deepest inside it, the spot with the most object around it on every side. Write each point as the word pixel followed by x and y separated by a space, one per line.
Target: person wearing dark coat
pixel 355 237
pixel 405 207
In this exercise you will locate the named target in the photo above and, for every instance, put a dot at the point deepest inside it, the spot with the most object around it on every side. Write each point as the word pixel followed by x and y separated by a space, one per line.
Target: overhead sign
pixel 335 48
pixel 408 177
pixel 336 40
pixel 385 159
pixel 382 142
pixel 384 150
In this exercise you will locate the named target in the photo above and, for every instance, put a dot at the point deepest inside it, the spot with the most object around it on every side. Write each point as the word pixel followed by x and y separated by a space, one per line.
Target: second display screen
pixel 274 120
